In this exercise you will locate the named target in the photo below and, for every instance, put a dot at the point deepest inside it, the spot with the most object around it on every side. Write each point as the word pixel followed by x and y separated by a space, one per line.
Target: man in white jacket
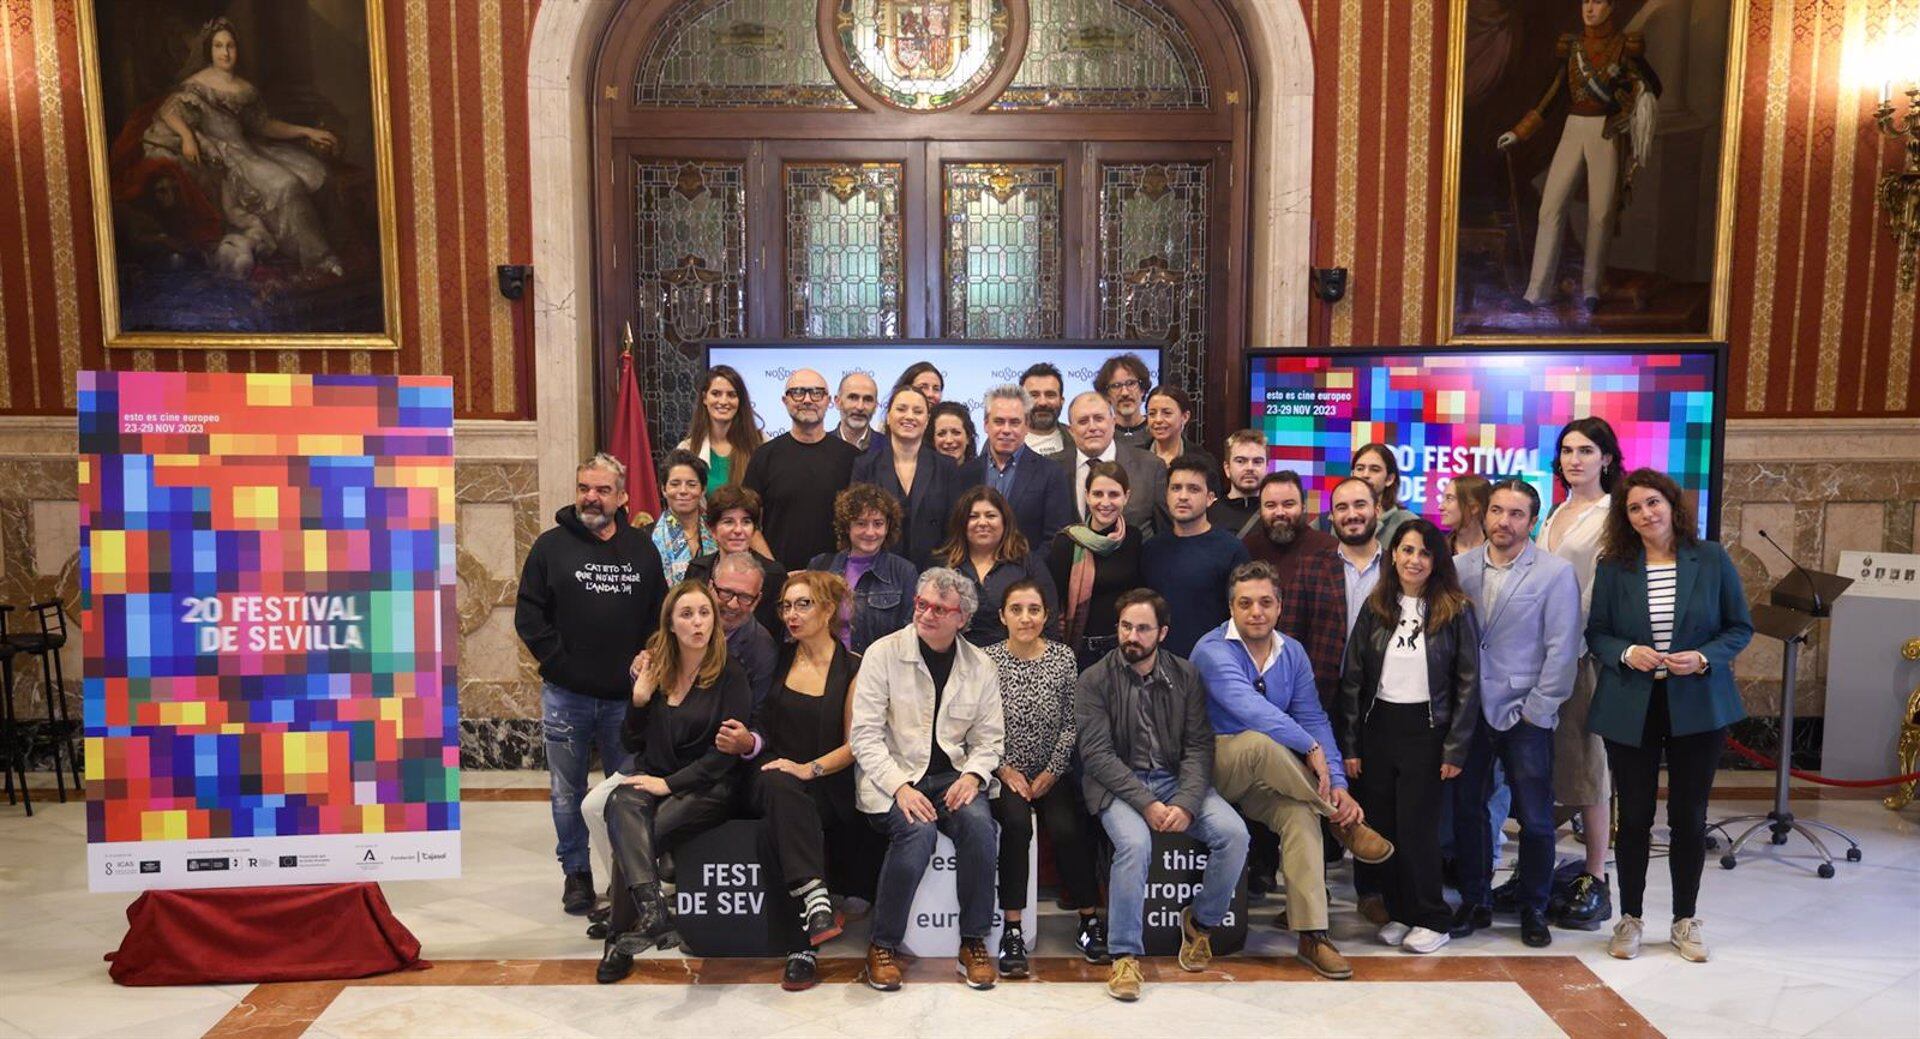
pixel 927 734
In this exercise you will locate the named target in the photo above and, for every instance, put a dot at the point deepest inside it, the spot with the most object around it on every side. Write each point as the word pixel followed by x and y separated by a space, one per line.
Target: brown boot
pixel 1365 842
pixel 1373 909
pixel 975 965
pixel 883 970
pixel 1317 951
pixel 1196 945
pixel 1123 981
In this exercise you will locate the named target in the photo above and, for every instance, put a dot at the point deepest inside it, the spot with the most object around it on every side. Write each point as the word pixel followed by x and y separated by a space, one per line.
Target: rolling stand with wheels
pixel 1790 617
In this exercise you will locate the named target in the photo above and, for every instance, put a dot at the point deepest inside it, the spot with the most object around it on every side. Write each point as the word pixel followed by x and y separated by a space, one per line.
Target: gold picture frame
pixel 246 244
pixel 1618 318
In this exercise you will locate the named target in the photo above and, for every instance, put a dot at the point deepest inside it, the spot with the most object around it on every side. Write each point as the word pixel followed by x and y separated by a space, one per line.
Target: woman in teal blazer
pixel 1668 618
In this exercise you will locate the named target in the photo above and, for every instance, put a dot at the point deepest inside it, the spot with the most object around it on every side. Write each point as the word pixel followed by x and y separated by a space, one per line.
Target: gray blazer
pixel 1146 498
pixel 1104 700
pixel 1530 641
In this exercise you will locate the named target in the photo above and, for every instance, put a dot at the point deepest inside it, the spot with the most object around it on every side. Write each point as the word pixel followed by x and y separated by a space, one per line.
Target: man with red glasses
pixel 927 734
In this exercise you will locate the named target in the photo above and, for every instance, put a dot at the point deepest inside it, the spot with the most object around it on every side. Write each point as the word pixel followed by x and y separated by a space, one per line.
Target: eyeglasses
pixel 787 606
pixel 741 598
pixel 924 606
pixel 1123 384
pixel 800 393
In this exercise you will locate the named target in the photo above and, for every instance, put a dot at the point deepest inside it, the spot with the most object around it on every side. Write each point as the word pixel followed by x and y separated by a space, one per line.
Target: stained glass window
pixel 1106 54
pixel 1153 262
pixel 1003 250
pixel 738 53
pixel 922 54
pixel 689 277
pixel 844 250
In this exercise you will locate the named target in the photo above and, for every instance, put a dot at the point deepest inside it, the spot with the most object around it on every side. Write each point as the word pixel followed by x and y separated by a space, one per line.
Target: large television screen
pixel 1496 412
pixel 970 368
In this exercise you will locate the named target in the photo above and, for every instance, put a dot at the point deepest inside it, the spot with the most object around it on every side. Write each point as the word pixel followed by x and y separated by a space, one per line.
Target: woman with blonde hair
pixel 684 689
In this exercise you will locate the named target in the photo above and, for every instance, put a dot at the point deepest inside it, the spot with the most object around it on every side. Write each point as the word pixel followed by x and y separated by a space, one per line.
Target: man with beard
pixel 1146 752
pixel 797 474
pixel 1308 566
pixel 1246 464
pixel 1123 379
pixel 859 395
pixel 590 594
pixel 1047 390
pixel 1355 521
pixel 1528 600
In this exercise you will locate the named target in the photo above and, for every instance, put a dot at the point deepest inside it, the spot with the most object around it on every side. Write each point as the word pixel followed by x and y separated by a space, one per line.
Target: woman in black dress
pixel 686 687
pixel 1093 563
pixel 801 781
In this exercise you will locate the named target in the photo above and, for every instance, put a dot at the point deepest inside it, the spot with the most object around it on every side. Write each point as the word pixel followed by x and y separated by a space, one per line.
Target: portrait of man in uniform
pixel 1587 169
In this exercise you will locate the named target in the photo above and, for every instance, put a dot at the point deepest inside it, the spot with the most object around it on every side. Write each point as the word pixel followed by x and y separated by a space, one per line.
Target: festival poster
pixel 270 633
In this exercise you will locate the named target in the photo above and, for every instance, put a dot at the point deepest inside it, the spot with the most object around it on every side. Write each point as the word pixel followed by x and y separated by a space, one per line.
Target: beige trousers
pixel 1272 784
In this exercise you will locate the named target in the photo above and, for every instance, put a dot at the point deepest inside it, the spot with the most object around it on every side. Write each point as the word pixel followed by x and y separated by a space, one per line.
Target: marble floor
pixel 1795 955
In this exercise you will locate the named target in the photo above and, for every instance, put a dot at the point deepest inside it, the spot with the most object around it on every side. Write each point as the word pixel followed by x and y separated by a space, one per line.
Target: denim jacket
pixel 883 602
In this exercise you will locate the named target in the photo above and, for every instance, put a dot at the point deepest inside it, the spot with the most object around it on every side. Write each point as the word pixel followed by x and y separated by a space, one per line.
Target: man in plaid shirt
pixel 1312 592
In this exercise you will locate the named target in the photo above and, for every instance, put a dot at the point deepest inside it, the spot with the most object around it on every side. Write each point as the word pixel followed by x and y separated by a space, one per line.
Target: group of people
pixel 867 642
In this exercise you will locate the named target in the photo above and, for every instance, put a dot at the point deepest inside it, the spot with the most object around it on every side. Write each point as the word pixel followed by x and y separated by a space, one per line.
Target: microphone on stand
pixel 1812 588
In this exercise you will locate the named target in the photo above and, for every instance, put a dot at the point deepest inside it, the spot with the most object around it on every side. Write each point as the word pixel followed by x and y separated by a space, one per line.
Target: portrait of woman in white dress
pixel 242 168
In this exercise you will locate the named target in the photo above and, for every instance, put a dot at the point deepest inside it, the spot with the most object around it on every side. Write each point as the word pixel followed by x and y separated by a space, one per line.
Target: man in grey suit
pixel 1529 606
pixel 1090 422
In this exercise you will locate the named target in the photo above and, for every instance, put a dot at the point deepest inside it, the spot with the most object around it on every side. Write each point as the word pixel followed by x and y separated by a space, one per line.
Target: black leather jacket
pixel 1453 681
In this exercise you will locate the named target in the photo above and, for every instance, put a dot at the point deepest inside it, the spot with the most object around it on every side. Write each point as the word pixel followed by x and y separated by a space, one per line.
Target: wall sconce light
pixel 1900 189
pixel 1899 192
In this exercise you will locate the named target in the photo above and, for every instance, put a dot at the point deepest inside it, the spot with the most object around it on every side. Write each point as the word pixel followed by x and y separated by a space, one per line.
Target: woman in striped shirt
pixel 1668 618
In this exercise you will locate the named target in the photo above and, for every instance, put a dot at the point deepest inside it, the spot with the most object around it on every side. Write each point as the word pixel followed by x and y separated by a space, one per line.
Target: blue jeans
pixel 910 848
pixel 1498 806
pixel 1217 826
pixel 1525 754
pixel 573 723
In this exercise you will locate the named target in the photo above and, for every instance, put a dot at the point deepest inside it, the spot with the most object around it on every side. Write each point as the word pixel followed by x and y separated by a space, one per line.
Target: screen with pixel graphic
pixel 1493 412
pixel 267 574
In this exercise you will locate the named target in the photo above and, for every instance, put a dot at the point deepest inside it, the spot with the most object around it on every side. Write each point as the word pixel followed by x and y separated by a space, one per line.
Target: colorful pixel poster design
pixel 267 565
pixel 1494 413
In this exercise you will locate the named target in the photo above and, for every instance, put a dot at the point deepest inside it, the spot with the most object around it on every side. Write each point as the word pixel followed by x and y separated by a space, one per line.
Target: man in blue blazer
pixel 1036 487
pixel 1528 601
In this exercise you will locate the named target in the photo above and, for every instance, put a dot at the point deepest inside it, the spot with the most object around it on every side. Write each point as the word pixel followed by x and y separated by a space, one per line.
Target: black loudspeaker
pixel 1329 283
pixel 514 279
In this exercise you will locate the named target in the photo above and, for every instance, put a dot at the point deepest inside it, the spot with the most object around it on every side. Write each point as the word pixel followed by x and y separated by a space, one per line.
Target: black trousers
pixel 1691 761
pixel 802 820
pixel 1068 832
pixel 1399 788
pixel 641 826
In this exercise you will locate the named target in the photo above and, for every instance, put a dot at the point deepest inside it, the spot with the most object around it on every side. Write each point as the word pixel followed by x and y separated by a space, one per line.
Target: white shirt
pixel 1080 475
pixel 1403 674
pixel 1051 442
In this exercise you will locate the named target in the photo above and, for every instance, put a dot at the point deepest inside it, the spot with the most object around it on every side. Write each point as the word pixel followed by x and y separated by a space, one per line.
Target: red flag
pixel 631 445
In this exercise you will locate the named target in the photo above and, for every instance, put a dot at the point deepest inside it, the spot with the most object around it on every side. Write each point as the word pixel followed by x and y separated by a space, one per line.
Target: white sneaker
pixel 1626 938
pixel 1394 932
pixel 1423 941
pixel 1690 937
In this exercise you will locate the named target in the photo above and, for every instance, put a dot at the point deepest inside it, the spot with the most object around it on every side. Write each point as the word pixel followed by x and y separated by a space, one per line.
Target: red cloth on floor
pixel 310 932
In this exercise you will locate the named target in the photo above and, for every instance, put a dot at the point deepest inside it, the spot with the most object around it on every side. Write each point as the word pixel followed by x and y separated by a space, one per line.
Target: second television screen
pixel 1495 413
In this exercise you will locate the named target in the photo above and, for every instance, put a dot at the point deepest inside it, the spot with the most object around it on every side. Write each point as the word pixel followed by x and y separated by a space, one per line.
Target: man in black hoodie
pixel 590 596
